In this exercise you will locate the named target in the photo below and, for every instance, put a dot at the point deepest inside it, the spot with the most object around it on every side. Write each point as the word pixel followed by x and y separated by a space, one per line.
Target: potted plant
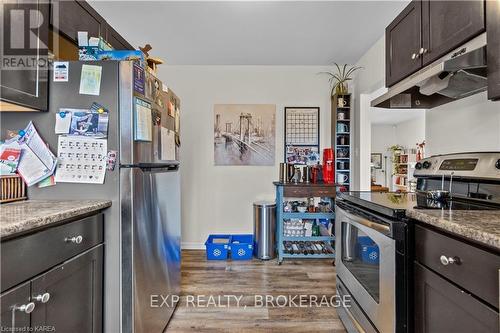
pixel 339 80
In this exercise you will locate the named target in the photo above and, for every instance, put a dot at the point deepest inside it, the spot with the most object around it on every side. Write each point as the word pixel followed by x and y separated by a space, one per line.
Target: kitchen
pixel 208 193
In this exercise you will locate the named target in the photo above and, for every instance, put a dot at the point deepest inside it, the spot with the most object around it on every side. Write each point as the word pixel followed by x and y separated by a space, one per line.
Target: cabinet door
pixel 493 49
pixel 403 41
pixel 116 40
pixel 69 17
pixel 442 307
pixel 448 24
pixel 75 289
pixel 24 70
pixel 14 318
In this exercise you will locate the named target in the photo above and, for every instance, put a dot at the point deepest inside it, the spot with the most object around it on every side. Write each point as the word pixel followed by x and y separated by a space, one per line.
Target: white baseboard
pixel 192 246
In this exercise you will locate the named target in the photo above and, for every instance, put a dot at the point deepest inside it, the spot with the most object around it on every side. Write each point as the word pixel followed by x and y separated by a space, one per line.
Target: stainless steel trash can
pixel 264 229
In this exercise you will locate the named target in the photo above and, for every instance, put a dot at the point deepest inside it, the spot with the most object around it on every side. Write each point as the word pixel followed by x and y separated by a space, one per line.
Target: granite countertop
pixel 23 216
pixel 479 226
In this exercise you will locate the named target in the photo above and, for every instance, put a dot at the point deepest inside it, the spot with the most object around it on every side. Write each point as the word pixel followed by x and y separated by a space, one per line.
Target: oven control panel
pixel 471 165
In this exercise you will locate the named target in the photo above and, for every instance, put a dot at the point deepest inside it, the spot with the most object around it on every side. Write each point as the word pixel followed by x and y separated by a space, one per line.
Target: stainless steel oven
pixel 371 268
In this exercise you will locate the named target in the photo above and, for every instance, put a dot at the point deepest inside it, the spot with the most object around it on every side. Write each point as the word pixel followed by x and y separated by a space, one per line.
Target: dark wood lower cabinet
pixel 441 307
pixel 13 320
pixel 75 289
pixel 65 292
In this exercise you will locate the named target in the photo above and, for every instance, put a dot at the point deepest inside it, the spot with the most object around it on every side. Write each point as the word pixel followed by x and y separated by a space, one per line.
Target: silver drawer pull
pixel 449 260
pixel 43 298
pixel 76 240
pixel 26 308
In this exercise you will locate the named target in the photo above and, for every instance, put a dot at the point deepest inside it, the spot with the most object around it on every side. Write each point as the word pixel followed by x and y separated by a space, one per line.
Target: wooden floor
pixel 247 279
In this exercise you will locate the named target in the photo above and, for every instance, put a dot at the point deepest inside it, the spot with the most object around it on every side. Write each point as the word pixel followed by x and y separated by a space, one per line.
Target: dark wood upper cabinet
pixel 68 17
pixel 448 24
pixel 116 40
pixel 403 40
pixel 493 49
pixel 24 70
pixel 429 29
pixel 75 289
pixel 442 307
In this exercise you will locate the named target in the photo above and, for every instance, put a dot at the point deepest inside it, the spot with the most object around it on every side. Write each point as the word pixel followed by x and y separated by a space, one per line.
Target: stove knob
pixel 418 166
pixel 497 165
pixel 426 165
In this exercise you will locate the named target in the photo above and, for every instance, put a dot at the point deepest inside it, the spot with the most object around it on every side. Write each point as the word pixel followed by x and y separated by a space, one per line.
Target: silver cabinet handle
pixel 43 298
pixel 422 51
pixel 414 56
pixel 76 240
pixel 445 261
pixel 26 308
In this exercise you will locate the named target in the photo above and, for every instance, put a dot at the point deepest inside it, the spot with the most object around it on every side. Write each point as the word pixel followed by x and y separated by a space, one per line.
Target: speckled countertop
pixel 479 226
pixel 22 216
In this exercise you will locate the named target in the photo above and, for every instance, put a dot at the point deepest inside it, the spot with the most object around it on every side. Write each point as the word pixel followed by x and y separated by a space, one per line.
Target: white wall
pixel 219 199
pixel 469 124
pixel 408 133
pixel 382 137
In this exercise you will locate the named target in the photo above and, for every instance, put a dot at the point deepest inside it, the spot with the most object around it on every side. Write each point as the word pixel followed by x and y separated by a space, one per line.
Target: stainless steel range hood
pixel 458 74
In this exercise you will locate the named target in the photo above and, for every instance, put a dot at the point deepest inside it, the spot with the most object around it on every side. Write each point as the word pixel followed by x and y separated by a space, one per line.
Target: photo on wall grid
pixel 244 134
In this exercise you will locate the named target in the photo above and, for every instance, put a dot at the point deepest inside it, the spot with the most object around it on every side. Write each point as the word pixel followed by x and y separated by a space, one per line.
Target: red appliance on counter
pixel 328 166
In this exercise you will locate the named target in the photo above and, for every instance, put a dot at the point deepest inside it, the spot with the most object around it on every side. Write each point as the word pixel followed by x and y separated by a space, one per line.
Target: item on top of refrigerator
pixel 88 48
pixel 120 55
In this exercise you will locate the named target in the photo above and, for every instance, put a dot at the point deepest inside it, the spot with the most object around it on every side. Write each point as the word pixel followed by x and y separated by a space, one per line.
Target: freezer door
pixel 155 248
pixel 135 149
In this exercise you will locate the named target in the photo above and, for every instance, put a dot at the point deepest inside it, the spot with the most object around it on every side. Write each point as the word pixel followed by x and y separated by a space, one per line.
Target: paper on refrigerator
pixel 81 160
pixel 37 161
pixel 90 80
pixel 143 121
pixel 167 144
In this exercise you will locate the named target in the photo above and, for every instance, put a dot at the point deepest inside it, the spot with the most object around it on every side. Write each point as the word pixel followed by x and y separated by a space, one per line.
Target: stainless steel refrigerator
pixel 142 227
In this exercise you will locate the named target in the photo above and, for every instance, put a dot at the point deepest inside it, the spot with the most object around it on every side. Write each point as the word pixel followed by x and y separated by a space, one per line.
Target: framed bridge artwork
pixel 244 134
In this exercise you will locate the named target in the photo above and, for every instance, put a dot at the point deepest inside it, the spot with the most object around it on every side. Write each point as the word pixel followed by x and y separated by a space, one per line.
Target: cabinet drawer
pixel 476 270
pixel 442 307
pixel 25 257
pixel 309 191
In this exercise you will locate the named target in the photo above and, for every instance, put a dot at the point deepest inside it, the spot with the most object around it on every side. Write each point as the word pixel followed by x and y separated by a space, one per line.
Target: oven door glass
pixel 361 256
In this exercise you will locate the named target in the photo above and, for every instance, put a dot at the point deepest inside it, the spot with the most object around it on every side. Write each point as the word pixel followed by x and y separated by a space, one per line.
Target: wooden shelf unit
pixel 403 166
pixel 341 140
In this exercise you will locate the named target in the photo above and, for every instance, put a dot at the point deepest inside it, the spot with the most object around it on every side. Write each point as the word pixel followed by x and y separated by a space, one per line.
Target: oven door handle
pixel 382 228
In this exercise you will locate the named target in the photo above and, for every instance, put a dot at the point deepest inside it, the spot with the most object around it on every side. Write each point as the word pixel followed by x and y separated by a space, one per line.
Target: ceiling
pixel 252 32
